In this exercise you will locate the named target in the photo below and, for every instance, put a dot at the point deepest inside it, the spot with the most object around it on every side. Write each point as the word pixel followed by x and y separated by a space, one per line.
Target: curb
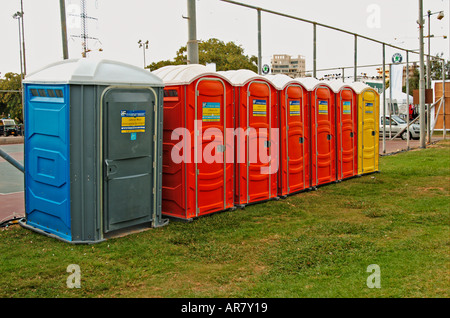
pixel 11 140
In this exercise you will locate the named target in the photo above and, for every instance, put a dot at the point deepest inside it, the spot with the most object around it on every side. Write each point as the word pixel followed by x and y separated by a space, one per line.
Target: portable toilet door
pixel 294 138
pixel 323 131
pixel 92 150
pixel 368 128
pixel 257 137
pixel 347 130
pixel 197 169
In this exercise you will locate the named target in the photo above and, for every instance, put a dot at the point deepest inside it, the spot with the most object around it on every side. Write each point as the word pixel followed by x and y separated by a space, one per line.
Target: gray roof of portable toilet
pixel 94 72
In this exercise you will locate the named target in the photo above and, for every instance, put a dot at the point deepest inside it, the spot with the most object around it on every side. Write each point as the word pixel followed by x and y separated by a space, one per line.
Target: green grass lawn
pixel 314 244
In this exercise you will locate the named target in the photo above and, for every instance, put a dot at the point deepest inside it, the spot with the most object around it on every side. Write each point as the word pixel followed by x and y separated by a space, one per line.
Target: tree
pixel 226 56
pixel 11 102
pixel 436 68
pixel 413 82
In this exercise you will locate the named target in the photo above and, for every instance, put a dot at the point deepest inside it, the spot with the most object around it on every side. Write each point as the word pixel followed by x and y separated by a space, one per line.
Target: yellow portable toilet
pixel 368 127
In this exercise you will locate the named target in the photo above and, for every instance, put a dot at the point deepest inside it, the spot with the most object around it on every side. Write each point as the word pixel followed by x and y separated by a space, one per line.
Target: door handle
pixel 329 137
pixel 351 134
pixel 373 133
pixel 111 169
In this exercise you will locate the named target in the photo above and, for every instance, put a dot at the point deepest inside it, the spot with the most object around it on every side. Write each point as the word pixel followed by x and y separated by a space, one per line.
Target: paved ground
pixel 398 144
pixel 11 184
pixel 12 180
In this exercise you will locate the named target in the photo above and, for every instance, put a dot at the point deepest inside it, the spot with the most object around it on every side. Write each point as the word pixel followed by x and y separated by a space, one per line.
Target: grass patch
pixel 314 244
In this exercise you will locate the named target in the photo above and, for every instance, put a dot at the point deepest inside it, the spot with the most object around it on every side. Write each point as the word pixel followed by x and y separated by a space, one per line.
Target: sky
pixel 119 25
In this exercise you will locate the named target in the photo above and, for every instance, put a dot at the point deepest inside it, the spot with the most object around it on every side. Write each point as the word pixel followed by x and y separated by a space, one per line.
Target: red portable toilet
pixel 323 131
pixel 197 173
pixel 294 169
pixel 256 135
pixel 346 129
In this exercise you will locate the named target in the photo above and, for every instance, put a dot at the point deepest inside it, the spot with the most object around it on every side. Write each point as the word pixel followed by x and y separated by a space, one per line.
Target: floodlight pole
pixel 421 79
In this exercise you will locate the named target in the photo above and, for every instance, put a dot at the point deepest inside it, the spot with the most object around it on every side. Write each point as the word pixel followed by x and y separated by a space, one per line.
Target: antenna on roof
pixel 84 35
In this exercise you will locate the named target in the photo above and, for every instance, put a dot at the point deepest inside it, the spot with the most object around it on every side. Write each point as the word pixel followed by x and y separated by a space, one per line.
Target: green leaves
pixel 226 56
pixel 11 102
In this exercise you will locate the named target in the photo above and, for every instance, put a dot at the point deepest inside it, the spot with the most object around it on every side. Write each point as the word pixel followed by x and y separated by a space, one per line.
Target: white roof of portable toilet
pixel 92 71
pixel 337 85
pixel 280 81
pixel 308 82
pixel 183 74
pixel 358 87
pixel 241 77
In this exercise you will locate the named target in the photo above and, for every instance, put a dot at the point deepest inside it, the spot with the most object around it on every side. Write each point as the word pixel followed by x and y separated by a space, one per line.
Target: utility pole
pixel 62 9
pixel 259 43
pixel 192 44
pixel 421 79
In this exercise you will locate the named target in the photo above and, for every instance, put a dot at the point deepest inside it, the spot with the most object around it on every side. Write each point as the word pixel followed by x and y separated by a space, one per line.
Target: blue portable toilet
pixel 93 150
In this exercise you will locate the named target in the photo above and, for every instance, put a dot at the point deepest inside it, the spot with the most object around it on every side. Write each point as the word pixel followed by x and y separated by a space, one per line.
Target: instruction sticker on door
pixel 323 107
pixel 294 108
pixel 133 121
pixel 347 108
pixel 259 107
pixel 211 112
pixel 369 108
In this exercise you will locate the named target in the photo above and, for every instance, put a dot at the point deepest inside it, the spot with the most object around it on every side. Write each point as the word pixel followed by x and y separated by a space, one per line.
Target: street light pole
pixel 440 17
pixel 144 46
pixel 18 17
pixel 421 78
pixel 23 39
pixel 429 77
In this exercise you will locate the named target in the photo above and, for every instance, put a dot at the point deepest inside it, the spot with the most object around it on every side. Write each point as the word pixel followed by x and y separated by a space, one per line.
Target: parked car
pixel 397 124
pixel 8 127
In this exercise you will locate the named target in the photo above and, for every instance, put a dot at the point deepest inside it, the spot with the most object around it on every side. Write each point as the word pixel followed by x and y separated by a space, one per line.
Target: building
pixel 412 69
pixel 293 66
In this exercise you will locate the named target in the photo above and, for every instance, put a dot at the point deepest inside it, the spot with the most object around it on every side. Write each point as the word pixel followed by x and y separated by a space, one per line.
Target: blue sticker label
pixel 133 136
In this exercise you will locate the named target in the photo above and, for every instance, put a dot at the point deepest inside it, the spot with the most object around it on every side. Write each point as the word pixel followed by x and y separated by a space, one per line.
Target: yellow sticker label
pixel 347 108
pixel 132 121
pixel 294 108
pixel 323 107
pixel 211 112
pixel 259 107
